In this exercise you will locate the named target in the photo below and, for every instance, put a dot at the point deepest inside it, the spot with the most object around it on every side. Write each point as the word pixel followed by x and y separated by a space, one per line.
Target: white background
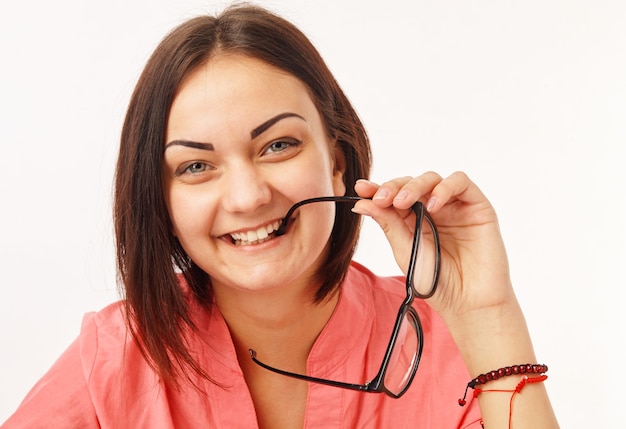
pixel 527 97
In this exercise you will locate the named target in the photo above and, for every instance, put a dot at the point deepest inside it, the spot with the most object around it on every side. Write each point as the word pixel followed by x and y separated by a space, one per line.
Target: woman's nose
pixel 245 189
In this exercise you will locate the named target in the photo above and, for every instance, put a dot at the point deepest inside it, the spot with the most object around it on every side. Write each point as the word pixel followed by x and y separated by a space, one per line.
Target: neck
pixel 281 326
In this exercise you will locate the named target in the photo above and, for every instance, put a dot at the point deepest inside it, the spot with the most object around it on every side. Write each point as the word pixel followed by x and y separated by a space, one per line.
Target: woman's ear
pixel 339 169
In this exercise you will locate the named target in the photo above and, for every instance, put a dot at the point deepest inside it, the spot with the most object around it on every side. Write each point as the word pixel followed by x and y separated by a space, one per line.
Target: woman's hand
pixel 474 274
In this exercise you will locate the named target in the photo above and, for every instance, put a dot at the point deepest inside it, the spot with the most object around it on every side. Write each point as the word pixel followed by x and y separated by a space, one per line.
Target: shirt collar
pixel 348 327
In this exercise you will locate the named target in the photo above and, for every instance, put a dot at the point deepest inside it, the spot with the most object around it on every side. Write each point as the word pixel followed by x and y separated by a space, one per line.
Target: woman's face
pixel 244 143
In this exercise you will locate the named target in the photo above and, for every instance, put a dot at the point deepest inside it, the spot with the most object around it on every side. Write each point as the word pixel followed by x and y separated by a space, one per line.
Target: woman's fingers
pixel 430 188
pixel 456 187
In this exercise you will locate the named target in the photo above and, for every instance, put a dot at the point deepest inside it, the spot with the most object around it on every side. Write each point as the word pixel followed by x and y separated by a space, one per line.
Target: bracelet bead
pixel 506 371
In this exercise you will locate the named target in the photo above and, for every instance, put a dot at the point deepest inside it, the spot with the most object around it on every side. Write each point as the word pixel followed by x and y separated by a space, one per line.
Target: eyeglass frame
pixel 376 385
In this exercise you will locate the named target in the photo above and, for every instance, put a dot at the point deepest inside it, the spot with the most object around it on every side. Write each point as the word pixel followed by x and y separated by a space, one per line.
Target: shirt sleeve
pixel 61 398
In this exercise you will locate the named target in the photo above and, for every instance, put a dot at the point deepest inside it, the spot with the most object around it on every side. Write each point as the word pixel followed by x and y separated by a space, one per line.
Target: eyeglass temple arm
pixel 367 387
pixel 339 199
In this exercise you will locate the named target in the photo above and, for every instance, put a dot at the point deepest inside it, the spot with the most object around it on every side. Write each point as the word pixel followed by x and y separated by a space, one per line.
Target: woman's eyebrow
pixel 254 133
pixel 267 124
pixel 188 143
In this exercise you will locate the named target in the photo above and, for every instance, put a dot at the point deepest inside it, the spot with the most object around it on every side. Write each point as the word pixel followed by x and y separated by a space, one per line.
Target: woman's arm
pixel 475 296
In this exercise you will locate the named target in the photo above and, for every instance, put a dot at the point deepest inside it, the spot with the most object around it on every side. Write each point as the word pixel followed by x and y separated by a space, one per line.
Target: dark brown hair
pixel 149 258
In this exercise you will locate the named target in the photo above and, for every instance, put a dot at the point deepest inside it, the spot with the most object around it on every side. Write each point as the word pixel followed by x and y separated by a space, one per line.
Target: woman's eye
pixel 282 145
pixel 194 168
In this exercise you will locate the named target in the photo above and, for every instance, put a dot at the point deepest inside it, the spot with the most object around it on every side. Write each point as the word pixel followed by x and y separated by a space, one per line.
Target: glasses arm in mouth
pixel 339 199
pixel 420 213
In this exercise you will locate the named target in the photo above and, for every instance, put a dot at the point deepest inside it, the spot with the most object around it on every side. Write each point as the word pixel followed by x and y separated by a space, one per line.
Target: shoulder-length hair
pixel 149 257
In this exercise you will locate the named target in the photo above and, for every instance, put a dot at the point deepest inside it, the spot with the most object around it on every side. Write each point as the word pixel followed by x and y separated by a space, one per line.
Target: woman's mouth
pixel 255 236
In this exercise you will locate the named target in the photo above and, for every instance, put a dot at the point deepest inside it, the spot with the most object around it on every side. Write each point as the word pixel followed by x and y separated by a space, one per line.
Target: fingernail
pixel 432 202
pixel 402 195
pixel 360 211
pixel 381 194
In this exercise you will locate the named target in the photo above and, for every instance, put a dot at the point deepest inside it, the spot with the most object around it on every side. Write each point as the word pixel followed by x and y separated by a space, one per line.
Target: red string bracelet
pixel 506 371
pixel 523 382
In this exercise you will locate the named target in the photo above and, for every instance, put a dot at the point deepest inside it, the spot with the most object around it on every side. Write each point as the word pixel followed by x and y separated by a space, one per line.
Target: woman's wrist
pixel 492 338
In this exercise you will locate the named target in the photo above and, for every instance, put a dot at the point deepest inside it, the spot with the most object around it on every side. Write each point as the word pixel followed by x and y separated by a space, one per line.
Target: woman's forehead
pixel 229 71
pixel 237 91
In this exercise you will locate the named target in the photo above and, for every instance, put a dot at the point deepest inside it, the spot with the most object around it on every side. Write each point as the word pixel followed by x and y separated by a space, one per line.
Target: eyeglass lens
pixel 424 277
pixel 404 356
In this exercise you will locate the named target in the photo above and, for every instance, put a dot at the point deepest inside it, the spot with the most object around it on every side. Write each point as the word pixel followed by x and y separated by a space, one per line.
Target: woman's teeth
pixel 255 236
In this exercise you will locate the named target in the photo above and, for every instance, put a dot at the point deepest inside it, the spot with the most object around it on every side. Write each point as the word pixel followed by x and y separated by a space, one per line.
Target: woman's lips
pixel 255 236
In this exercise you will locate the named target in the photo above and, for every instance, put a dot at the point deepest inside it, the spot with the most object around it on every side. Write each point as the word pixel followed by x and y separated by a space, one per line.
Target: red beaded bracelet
pixel 506 371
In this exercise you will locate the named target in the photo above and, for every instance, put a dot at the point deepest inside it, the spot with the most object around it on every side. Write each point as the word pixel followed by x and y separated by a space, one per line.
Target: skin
pixel 230 180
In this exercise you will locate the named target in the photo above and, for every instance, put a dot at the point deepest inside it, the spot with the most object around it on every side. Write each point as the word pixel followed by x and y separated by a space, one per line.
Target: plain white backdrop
pixel 529 98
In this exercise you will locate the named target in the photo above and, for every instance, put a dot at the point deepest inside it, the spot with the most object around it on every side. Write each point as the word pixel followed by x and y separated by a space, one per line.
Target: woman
pixel 231 306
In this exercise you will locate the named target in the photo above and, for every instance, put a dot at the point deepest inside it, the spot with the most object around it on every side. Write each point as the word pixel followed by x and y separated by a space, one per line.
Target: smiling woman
pixel 235 121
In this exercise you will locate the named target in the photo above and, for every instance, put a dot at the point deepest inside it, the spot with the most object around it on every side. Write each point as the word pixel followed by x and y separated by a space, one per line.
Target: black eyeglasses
pixel 404 351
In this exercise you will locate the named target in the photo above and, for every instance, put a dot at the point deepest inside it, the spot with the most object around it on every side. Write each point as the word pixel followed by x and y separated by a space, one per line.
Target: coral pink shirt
pixel 102 380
